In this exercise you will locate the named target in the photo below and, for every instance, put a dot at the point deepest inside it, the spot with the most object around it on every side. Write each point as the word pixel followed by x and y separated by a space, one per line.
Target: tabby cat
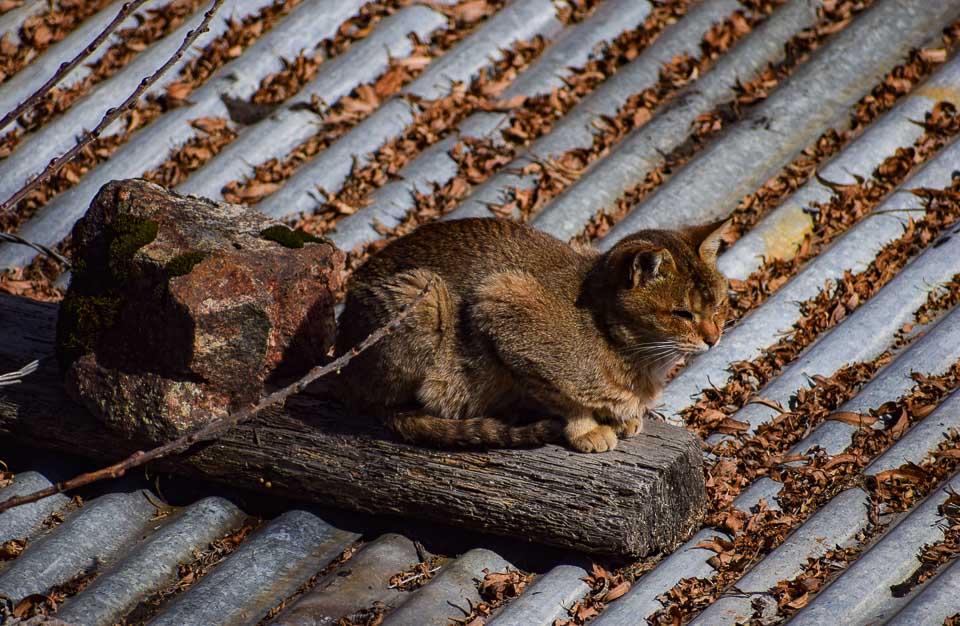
pixel 523 339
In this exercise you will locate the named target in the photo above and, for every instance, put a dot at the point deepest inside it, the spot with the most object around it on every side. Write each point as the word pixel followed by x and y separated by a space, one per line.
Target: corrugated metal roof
pixel 828 545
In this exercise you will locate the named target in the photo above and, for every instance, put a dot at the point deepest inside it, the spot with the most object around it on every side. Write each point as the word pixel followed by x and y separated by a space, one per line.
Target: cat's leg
pixel 585 434
pixel 629 427
pixel 403 360
pixel 625 417
pixel 422 364
pixel 534 335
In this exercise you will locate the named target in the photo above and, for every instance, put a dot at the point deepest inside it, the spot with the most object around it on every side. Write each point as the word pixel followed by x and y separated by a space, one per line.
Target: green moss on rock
pixel 288 238
pixel 183 264
pixel 94 300
pixel 81 320
pixel 127 235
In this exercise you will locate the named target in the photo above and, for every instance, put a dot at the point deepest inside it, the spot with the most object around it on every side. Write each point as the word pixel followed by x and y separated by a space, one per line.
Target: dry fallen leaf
pixel 853 419
pixel 179 91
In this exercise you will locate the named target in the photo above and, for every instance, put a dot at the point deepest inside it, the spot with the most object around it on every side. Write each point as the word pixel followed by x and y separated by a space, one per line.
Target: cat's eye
pixel 683 314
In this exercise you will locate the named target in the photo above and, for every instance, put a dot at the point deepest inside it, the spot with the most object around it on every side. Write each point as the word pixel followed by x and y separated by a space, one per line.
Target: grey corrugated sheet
pixel 782 230
pixel 647 146
pixel 851 252
pixel 57 136
pixel 517 21
pixel 571 49
pixel 24 521
pixel 278 134
pixel 22 84
pixel 935 603
pixel 817 96
pixel 152 565
pixel 11 20
pixel 137 554
pixel 238 79
pixel 356 585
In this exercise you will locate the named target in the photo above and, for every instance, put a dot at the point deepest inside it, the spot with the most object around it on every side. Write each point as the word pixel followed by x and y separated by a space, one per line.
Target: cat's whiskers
pixel 657 354
pixel 655 344
pixel 651 350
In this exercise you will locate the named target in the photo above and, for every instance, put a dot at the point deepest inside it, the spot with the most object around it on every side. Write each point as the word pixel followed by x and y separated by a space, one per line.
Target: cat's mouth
pixel 698 348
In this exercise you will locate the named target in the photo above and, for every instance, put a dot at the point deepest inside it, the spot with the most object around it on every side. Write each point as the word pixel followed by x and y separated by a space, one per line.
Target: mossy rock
pixel 127 235
pixel 94 301
pixel 183 264
pixel 82 319
pixel 289 238
pixel 181 306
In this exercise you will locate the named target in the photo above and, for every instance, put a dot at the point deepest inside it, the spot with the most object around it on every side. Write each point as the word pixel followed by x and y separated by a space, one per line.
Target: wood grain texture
pixel 645 496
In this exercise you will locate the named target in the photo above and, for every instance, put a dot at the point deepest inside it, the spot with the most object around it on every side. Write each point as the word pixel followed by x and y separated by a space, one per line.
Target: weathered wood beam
pixel 645 496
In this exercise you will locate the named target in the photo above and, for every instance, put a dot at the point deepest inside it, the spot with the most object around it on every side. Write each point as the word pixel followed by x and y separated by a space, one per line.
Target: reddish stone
pixel 180 305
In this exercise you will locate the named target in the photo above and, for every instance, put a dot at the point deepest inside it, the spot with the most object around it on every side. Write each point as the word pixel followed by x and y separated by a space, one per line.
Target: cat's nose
pixel 709 332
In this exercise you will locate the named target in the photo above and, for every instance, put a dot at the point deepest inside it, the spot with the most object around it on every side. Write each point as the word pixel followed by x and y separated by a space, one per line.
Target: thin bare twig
pixel 67 66
pixel 218 426
pixel 11 238
pixel 113 114
pixel 12 378
pixel 414 577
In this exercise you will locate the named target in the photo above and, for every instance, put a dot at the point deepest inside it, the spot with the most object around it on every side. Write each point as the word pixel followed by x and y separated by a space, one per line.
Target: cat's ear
pixel 706 239
pixel 638 262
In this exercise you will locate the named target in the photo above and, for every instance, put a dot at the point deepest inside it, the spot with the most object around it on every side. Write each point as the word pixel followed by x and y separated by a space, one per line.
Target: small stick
pixel 414 577
pixel 12 378
pixel 67 66
pixel 113 114
pixel 11 238
pixel 218 426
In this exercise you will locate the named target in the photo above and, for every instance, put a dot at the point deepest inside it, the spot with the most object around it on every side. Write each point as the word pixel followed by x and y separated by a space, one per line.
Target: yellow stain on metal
pixel 940 93
pixel 785 233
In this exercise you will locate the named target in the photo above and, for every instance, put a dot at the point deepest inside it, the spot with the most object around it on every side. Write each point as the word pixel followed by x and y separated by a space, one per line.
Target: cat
pixel 523 339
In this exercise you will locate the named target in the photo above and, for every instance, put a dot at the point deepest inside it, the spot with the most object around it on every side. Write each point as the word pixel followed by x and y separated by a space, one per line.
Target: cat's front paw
pixel 629 427
pixel 586 435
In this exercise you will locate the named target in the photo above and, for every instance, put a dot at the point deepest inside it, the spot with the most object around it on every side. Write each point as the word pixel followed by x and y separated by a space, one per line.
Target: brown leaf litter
pixel 216 133
pixel 190 572
pixel 847 206
pixel 605 587
pixel 740 460
pixel 892 491
pixel 297 72
pixel 685 69
pixel 350 110
pixel 941 298
pixel 434 120
pixel 496 589
pixel 418 574
pixel 897 83
pixel 240 34
pixel 11 549
pixel 312 582
pixel 556 174
pixel 478 159
pixel 822 312
pixel 131 41
pixel 48 603
pixel 934 556
pixel 792 595
pixel 833 17
pixel 39 32
pixel 805 489
pixel 191 156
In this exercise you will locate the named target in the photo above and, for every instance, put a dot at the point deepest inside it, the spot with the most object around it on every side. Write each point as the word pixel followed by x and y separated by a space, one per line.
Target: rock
pixel 182 308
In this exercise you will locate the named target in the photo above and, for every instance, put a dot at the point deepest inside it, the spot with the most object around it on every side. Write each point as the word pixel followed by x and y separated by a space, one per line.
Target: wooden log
pixel 647 495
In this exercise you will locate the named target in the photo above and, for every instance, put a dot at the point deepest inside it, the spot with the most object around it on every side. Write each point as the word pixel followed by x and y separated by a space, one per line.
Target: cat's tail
pixel 478 432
